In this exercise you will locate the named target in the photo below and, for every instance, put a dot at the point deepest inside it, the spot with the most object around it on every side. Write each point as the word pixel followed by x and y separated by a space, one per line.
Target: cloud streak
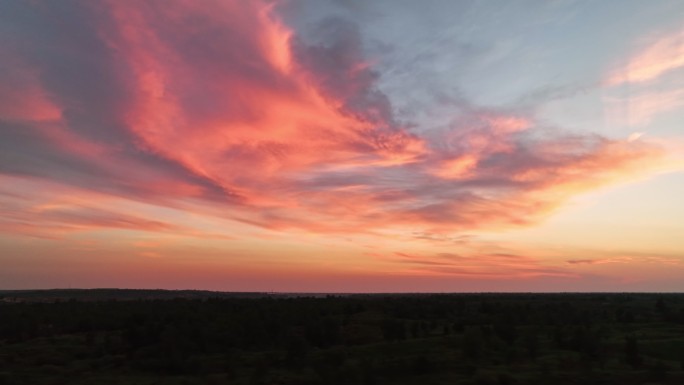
pixel 478 265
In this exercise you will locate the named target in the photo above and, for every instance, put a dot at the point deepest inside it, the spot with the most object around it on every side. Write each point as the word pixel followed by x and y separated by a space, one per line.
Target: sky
pixel 342 146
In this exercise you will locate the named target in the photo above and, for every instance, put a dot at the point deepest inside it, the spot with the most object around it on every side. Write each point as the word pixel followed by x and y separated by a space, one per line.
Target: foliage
pixel 202 337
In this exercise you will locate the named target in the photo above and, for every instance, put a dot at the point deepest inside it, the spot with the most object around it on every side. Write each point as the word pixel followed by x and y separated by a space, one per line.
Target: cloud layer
pixel 220 108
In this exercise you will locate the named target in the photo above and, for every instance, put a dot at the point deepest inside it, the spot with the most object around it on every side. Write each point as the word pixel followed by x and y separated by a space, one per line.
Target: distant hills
pixel 53 295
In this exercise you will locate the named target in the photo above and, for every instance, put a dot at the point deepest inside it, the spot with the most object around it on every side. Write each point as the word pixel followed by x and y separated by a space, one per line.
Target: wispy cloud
pixel 661 55
pixel 629 259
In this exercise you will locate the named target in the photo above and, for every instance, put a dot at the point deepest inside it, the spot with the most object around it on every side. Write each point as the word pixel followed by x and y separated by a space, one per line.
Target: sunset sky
pixel 342 146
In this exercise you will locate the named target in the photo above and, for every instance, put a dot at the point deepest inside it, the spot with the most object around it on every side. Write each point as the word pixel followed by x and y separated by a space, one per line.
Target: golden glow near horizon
pixel 262 146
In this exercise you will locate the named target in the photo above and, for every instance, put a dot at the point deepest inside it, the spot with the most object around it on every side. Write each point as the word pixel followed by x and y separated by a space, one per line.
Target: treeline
pixel 477 338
